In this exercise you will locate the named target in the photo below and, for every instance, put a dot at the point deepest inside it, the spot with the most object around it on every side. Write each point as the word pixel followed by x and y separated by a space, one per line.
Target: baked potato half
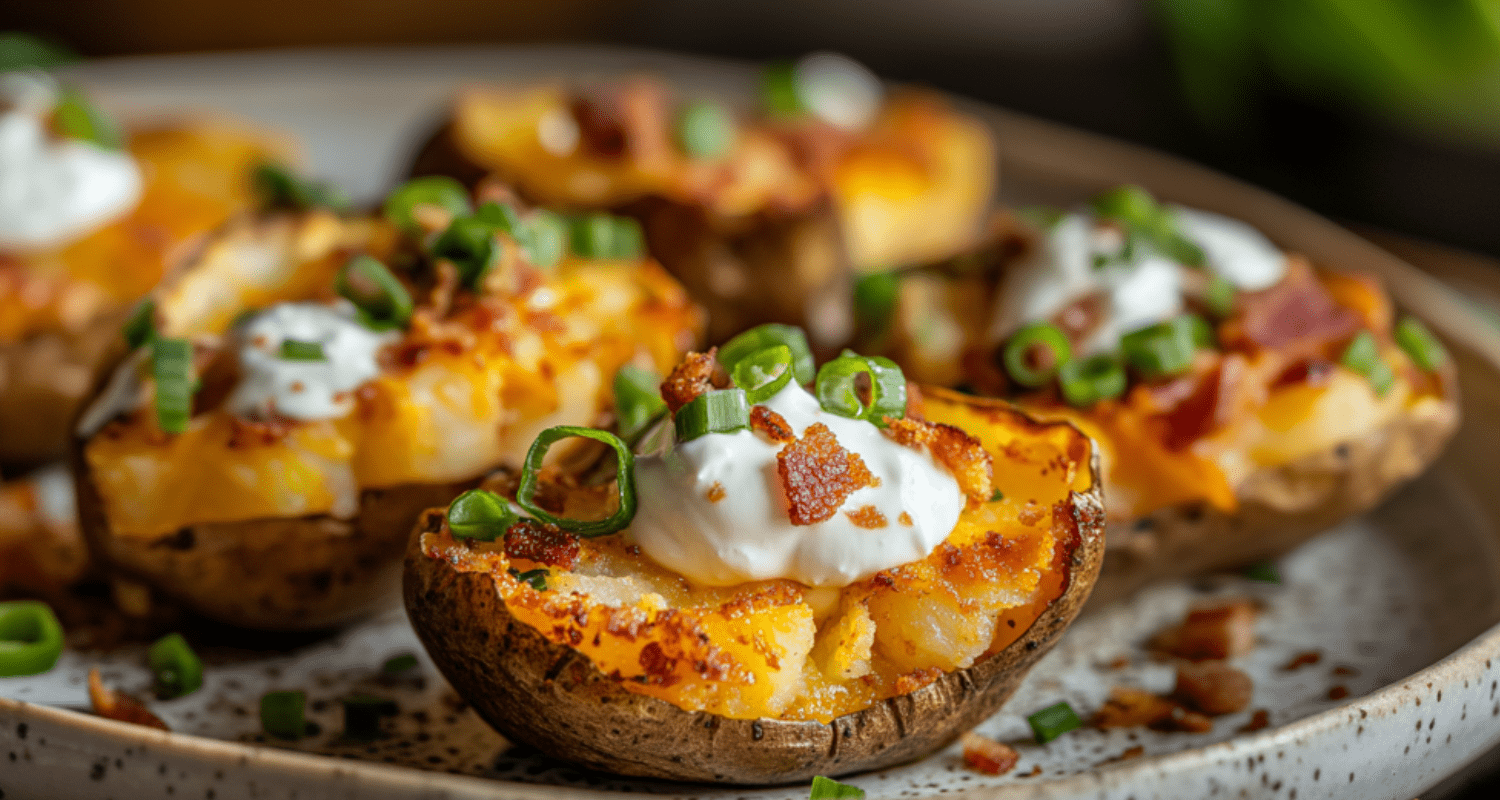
pixel 764 216
pixel 90 242
pixel 1242 399
pixel 41 552
pixel 593 650
pixel 310 429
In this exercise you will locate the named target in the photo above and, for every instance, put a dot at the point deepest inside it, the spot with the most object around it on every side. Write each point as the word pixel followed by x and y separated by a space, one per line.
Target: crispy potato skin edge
pixel 555 699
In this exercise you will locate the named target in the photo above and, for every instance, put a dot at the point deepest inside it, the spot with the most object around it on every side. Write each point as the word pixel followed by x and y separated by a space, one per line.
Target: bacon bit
pixel 867 517
pixel 1079 319
pixel 904 519
pixel 1310 371
pixel 1213 687
pixel 1035 771
pixel 541 542
pixel 1135 708
pixel 716 492
pixel 1344 671
pixel 1219 632
pixel 818 475
pixel 693 377
pixel 1209 406
pixel 1132 752
pixel 771 425
pixel 657 664
pixel 630 118
pixel 1296 315
pixel 1118 662
pixel 916 679
pixel 961 453
pixel 1303 659
pixel 1260 720
pixel 120 706
pixel 1338 693
pixel 1031 513
pixel 246 432
pixel 986 755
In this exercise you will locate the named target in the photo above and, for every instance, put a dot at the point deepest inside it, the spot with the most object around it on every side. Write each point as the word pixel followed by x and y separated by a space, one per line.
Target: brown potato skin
pixel 44 379
pixel 553 698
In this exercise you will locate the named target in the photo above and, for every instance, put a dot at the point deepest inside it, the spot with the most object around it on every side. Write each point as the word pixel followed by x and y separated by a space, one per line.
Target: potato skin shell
pixel 553 698
pixel 44 379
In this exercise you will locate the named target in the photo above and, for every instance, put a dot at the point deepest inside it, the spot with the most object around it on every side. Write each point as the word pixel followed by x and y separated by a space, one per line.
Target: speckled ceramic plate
pixel 1400 607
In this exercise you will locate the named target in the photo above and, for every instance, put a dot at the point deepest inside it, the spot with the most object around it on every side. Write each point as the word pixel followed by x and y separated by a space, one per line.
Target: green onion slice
pixel 1420 344
pixel 1053 721
pixel 279 187
pixel 779 89
pixel 20 51
pixel 624 481
pixel 1363 356
pixel 838 388
pixel 1086 381
pixel 371 286
pixel 638 402
pixel 397 664
pixel 176 668
pixel 469 243
pixel 172 371
pixel 996 496
pixel 1219 298
pixel 297 350
pixel 718 411
pixel 480 515
pixel 875 298
pixel 605 236
pixel 501 216
pixel 1024 344
pixel 763 373
pixel 432 190
pixel 141 325
pixel 1265 572
pixel 535 578
pixel 1164 349
pixel 362 714
pixel 31 638
pixel 546 239
pixel 630 240
pixel 78 118
pixel 1142 216
pixel 705 129
pixel 830 789
pixel 284 714
pixel 770 335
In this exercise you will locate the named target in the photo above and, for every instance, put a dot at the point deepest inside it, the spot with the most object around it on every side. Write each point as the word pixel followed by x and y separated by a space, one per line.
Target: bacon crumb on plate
pixel 986 755
pixel 1213 687
pixel 120 706
pixel 1218 632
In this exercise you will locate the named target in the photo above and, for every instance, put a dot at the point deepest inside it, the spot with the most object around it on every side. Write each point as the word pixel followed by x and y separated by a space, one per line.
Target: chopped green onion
pixel 1053 721
pixel 283 714
pixel 20 51
pixel 1219 297
pixel 172 371
pixel 1043 218
pixel 624 481
pixel 1164 349
pixel 372 287
pixel 830 789
pixel 1420 345
pixel 1363 356
pixel 546 240
pixel 769 335
pixel 763 373
pixel 838 388
pixel 1020 352
pixel 1204 335
pixel 1129 204
pixel 480 515
pixel 31 638
pixel 875 298
pixel 536 578
pixel 1086 381
pixel 1142 216
pixel 362 715
pixel 638 401
pixel 397 664
pixel 1265 572
pixel 605 236
pixel 278 187
pixel 996 496
pixel 470 244
pixel 177 669
pixel 141 325
pixel 296 350
pixel 77 118
pixel 629 239
pixel 432 190
pixel 779 89
pixel 500 216
pixel 718 411
pixel 705 130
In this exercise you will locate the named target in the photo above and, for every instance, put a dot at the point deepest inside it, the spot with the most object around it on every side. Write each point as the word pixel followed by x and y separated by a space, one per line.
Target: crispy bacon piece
pixel 1303 659
pixel 541 542
pixel 818 475
pixel 1209 405
pixel 1213 687
pixel 771 425
pixel 692 377
pixel 627 119
pixel 986 755
pixel 961 453
pixel 867 517
pixel 1137 708
pixel 120 706
pixel 1219 632
pixel 1296 315
pixel 1260 720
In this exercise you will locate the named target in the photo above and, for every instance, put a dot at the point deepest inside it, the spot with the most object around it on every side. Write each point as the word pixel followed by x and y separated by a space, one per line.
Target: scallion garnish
pixel 1164 349
pixel 177 669
pixel 382 300
pixel 779 89
pixel 1219 297
pixel 283 714
pixel 1363 356
pixel 1034 353
pixel 20 51
pixel 172 372
pixel 996 496
pixel 705 129
pixel 297 350
pixel 546 240
pixel 605 236
pixel 500 216
pixel 638 401
pixel 535 578
pixel 278 187
pixel 1420 345
pixel 1086 381
pixel 432 190
pixel 624 481
pixel 77 118
pixel 839 390
pixel 763 373
pixel 1265 572
pixel 397 664
pixel 31 638
pixel 875 298
pixel 480 515
pixel 1053 721
pixel 469 243
pixel 717 411
pixel 830 789
pixel 770 335
pixel 362 715
pixel 141 325
pixel 1140 214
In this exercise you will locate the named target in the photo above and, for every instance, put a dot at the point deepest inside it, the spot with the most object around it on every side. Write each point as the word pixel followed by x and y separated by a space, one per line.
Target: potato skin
pixel 553 698
pixel 44 379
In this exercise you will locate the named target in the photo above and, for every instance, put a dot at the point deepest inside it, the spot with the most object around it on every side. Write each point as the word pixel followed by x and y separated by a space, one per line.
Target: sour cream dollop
pixel 54 190
pixel 305 390
pixel 746 534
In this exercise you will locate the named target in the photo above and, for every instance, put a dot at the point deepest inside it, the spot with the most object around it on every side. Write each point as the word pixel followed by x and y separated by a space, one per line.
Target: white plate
pixel 1401 605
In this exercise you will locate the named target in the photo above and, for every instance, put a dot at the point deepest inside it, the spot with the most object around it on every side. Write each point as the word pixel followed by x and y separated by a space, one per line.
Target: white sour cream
pixel 305 390
pixel 54 190
pixel 1239 253
pixel 839 90
pixel 747 536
